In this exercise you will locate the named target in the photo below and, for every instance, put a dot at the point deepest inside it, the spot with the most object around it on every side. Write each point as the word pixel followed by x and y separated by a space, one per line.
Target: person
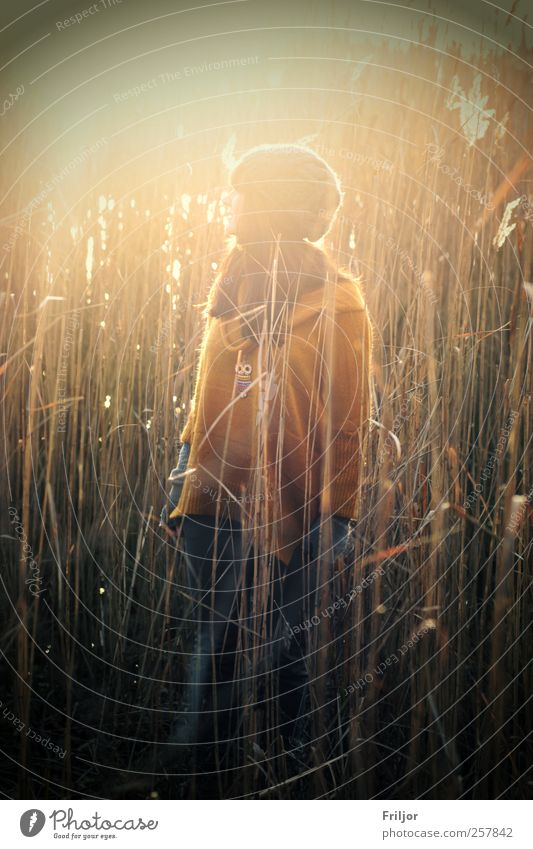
pixel 270 462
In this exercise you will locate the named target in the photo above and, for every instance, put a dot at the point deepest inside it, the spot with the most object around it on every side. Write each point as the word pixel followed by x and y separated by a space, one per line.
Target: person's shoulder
pixel 351 310
pixel 349 296
pixel 339 293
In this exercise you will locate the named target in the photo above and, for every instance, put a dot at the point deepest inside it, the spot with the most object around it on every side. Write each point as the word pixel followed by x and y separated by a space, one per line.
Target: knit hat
pixel 287 188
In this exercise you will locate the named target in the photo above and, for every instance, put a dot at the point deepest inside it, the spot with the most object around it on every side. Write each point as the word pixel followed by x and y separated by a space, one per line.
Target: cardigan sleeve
pixel 188 428
pixel 346 398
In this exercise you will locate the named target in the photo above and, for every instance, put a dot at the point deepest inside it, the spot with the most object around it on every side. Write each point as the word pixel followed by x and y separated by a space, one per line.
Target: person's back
pixel 273 409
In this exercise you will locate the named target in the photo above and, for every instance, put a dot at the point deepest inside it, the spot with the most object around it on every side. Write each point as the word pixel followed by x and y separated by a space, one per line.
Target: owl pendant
pixel 243 378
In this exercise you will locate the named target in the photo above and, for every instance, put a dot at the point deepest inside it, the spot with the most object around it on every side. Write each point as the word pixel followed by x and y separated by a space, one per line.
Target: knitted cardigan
pixel 278 418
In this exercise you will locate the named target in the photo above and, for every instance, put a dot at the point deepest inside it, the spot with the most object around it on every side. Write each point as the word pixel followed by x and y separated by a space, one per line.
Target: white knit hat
pixel 290 187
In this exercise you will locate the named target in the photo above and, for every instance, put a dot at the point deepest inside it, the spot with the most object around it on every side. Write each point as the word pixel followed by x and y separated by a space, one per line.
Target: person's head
pixel 283 199
pixel 282 191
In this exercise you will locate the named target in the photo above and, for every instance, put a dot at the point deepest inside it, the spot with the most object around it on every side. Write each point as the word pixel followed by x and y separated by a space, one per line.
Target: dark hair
pixel 278 272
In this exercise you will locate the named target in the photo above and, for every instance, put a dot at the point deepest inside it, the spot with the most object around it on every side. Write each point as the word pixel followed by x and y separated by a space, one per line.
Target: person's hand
pixel 334 541
pixel 176 478
pixel 173 525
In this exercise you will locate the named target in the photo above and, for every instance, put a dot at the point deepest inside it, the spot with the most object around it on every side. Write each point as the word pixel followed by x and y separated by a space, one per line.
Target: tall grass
pixel 421 687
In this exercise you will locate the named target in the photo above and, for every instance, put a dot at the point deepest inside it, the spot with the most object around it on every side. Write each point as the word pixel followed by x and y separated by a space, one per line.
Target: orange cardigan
pixel 276 425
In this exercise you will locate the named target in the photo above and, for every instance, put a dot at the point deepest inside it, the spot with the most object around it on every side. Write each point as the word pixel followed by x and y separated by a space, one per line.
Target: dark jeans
pixel 232 626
